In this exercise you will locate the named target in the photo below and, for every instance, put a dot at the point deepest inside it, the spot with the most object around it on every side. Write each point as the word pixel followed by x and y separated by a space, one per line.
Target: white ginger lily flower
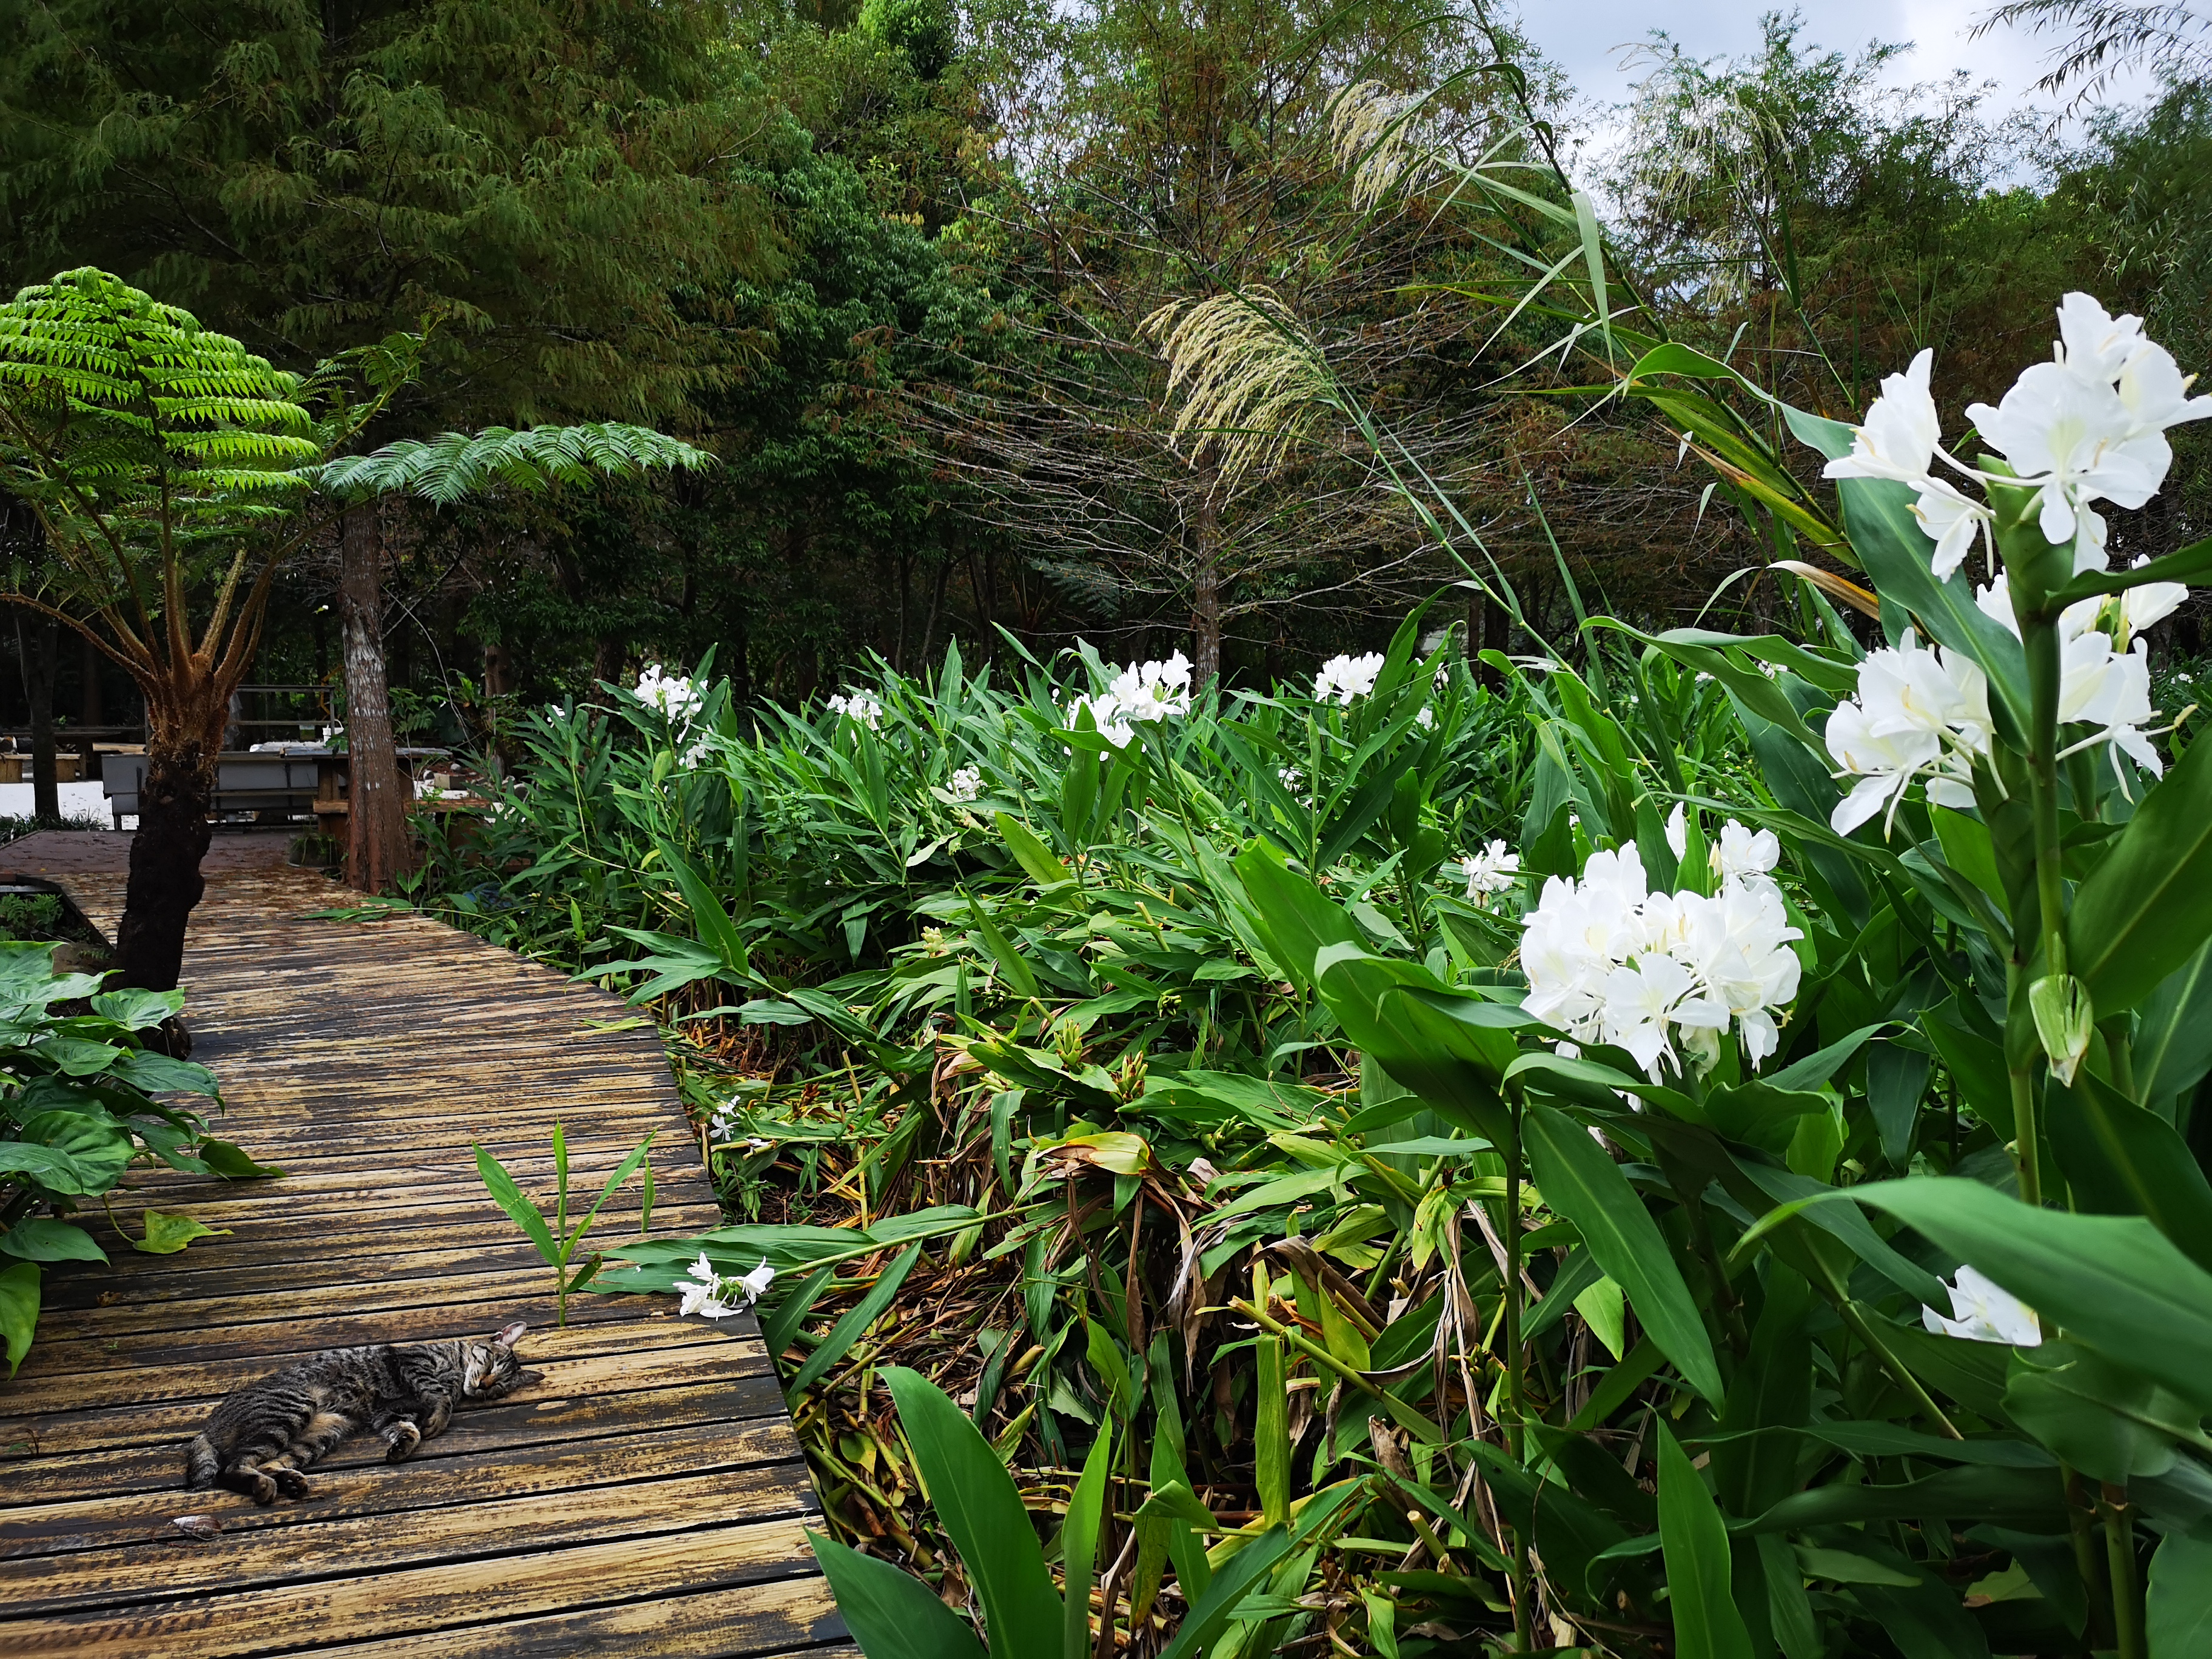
pixel 2102 683
pixel 1661 975
pixel 1493 870
pixel 1917 712
pixel 2077 440
pixel 1678 833
pixel 1899 440
pixel 1950 520
pixel 858 706
pixel 2091 424
pixel 2088 426
pixel 755 1284
pixel 704 1295
pixel 1345 680
pixel 675 696
pixel 2142 607
pixel 1899 437
pixel 1143 691
pixel 1983 1310
pixel 1746 855
pixel 712 1296
pixel 2092 344
pixel 1154 690
pixel 967 783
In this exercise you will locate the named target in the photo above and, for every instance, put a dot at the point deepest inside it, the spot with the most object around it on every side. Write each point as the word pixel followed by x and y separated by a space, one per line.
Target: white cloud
pixel 1586 38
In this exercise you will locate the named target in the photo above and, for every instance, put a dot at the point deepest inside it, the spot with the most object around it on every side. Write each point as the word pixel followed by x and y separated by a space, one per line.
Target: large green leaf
pixel 1298 919
pixel 231 1162
pixel 2117 1284
pixel 2107 1421
pixel 891 1615
pixel 39 1238
pixel 2120 1158
pixel 49 1166
pixel 166 1234
pixel 1773 1389
pixel 1583 1184
pixel 2173 1047
pixel 1394 1012
pixel 19 1309
pixel 2179 1609
pixel 100 1148
pixel 1079 1552
pixel 2146 909
pixel 1032 855
pixel 862 1314
pixel 975 1497
pixel 717 932
pixel 520 1210
pixel 1695 1539
pixel 1020 979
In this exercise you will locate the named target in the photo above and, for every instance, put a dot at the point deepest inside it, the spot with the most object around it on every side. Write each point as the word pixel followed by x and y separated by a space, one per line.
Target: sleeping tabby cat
pixel 258 1440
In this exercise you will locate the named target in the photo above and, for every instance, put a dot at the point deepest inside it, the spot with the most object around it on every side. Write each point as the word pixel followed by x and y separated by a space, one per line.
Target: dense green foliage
pixel 893 267
pixel 82 1101
pixel 1217 1128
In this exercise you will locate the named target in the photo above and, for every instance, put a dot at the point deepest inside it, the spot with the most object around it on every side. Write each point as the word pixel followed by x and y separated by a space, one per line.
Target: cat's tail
pixel 200 1464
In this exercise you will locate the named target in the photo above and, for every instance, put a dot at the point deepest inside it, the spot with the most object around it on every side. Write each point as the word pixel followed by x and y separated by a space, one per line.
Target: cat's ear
pixel 511 1336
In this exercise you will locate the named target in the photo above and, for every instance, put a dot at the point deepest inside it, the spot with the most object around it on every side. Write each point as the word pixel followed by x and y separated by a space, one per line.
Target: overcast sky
pixel 1583 37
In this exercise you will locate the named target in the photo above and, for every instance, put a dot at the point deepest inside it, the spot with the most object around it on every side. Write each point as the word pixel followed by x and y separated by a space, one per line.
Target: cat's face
pixel 493 1368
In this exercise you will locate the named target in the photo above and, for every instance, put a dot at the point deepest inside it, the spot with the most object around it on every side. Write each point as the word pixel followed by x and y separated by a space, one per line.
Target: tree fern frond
pixel 445 468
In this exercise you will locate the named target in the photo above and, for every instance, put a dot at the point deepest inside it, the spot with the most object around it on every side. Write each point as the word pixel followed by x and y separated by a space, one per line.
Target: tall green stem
pixel 2040 640
pixel 2120 1560
pixel 1515 1370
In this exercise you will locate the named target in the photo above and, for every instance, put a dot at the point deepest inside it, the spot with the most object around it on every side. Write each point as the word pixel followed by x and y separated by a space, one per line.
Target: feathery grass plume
pixel 1251 378
pixel 1368 124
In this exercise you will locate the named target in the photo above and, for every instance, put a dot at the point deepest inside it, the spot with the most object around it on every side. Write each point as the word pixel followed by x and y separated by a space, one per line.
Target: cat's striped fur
pixel 262 1436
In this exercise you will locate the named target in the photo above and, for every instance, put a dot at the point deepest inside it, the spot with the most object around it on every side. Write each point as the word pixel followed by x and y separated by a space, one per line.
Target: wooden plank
pixel 452 1507
pixel 289 1618
pixel 758 1620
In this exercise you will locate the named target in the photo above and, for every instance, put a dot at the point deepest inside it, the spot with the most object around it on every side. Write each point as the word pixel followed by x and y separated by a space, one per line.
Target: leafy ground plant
pixel 1702 1152
pixel 79 1106
pixel 552 1236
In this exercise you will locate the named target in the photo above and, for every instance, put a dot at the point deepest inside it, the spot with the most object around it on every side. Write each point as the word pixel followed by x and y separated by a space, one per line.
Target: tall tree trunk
pixel 936 608
pixel 608 656
pixel 377 848
pixel 1206 592
pixel 39 663
pixel 165 882
pixel 94 709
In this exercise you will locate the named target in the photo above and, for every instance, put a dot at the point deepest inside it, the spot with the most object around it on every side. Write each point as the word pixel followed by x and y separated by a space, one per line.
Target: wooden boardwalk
pixel 647 1497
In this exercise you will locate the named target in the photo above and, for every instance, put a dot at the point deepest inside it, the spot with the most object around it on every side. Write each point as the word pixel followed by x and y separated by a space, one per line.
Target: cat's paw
pixel 405 1437
pixel 263 1491
pixel 291 1483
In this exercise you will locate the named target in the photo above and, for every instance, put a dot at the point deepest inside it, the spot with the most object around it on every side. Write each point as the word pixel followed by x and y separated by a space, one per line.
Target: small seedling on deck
pixel 556 1240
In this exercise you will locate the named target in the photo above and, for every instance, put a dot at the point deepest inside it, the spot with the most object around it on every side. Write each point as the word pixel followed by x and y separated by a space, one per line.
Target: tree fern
pixel 445 468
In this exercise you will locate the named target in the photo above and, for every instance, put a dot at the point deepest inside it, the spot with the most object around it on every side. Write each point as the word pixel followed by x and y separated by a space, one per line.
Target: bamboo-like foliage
pixel 1250 381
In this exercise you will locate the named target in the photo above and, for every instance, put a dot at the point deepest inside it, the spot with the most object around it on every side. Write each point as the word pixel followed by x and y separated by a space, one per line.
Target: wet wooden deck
pixel 647 1497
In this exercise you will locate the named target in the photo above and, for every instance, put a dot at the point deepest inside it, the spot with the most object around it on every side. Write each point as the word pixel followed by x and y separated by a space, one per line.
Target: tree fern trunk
pixel 377 843
pixel 165 882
